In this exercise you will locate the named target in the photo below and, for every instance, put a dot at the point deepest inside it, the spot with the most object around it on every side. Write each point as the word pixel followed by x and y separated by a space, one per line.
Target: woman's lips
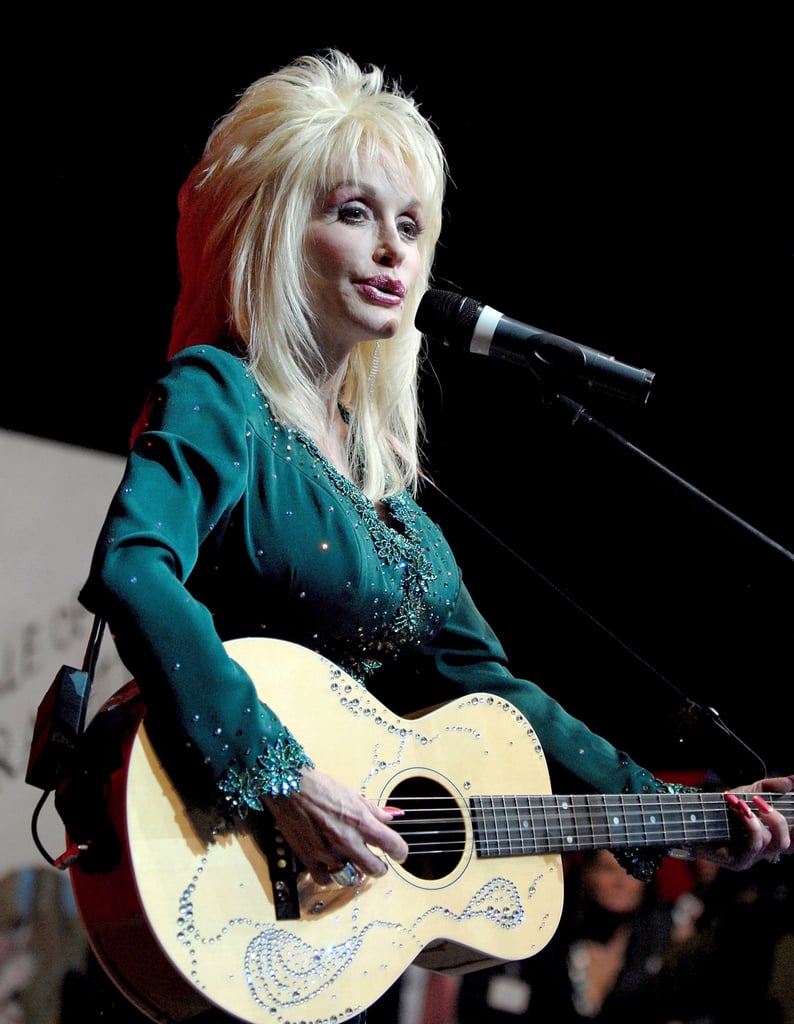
pixel 387 291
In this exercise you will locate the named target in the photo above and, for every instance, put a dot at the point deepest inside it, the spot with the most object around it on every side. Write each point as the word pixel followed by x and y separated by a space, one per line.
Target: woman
pixel 611 941
pixel 271 487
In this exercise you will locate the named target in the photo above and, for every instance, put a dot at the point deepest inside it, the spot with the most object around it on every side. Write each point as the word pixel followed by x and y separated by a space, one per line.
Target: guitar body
pixel 191 918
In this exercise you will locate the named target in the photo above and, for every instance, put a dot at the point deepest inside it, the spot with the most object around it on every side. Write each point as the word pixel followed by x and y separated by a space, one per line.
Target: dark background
pixel 625 184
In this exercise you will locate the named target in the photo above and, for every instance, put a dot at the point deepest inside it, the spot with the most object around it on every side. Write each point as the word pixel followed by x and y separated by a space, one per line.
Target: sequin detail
pixel 643 862
pixel 276 772
pixel 401 549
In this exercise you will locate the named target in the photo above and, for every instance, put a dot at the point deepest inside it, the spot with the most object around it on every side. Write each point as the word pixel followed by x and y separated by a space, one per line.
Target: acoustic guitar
pixel 193 919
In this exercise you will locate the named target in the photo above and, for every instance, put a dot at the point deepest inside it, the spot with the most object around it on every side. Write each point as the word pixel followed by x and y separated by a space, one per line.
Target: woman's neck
pixel 333 442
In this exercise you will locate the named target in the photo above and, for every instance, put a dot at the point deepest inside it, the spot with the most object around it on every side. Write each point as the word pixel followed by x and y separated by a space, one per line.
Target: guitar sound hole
pixel 432 826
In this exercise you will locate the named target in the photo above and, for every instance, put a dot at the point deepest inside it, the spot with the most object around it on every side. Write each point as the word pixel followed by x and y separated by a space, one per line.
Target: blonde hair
pixel 244 211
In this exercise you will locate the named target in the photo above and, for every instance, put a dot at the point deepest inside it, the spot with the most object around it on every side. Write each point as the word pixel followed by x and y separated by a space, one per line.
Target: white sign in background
pixel 52 503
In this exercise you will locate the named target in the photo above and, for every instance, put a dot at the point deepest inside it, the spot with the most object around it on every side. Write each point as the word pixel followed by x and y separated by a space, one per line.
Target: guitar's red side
pixel 116 925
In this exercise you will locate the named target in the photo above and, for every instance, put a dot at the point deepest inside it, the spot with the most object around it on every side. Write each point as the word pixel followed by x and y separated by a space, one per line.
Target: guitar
pixel 190 918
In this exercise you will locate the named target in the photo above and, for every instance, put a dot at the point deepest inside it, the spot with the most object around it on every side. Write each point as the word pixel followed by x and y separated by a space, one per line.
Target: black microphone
pixel 465 324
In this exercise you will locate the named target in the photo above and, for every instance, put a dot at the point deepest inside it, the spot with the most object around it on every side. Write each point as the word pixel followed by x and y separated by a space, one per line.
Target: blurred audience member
pixel 623 955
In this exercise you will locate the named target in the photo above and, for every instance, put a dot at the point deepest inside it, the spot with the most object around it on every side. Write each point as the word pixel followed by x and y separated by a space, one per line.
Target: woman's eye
pixel 409 228
pixel 352 213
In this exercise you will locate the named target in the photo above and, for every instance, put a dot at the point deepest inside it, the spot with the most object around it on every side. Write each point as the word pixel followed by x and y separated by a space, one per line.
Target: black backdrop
pixel 625 185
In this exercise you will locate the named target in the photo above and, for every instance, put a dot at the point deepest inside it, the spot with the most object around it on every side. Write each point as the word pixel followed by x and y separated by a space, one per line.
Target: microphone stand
pixel 575 415
pixel 578 415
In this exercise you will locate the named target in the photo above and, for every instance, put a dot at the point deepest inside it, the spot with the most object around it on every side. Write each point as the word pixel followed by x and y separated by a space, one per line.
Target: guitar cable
pixel 60 723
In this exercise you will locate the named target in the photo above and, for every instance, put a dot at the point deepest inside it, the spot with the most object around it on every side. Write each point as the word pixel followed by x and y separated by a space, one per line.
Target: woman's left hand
pixel 767 833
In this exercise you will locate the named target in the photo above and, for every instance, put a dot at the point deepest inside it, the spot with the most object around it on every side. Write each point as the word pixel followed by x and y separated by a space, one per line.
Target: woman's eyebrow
pixel 371 192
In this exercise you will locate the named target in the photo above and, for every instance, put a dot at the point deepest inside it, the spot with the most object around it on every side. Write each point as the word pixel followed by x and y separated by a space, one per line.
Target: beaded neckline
pixel 399 548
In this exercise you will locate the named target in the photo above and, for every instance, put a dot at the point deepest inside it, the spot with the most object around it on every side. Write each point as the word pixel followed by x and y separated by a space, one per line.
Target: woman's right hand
pixel 328 825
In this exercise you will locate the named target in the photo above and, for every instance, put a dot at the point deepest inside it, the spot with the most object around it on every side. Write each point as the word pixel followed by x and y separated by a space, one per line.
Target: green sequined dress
pixel 226 524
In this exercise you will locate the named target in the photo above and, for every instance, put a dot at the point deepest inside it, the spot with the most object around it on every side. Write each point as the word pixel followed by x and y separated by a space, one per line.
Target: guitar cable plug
pixel 70 855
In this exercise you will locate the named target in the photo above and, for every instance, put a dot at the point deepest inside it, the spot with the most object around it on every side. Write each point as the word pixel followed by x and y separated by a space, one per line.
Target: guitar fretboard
pixel 517 825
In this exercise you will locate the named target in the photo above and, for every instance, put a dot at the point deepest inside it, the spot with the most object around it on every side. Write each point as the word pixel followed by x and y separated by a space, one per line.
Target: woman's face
pixel 611 887
pixel 363 257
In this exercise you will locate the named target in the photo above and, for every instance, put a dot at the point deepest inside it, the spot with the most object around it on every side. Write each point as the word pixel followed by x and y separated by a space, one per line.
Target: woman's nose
pixel 390 250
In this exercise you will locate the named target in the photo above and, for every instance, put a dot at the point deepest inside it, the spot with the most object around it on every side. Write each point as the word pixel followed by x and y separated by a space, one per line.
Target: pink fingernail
pixel 739 805
pixel 395 812
pixel 761 804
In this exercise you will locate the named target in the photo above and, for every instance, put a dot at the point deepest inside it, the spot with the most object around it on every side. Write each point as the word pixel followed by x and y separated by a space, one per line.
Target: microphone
pixel 465 324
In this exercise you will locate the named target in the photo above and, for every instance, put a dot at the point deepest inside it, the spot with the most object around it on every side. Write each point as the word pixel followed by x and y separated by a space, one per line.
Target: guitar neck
pixel 505 826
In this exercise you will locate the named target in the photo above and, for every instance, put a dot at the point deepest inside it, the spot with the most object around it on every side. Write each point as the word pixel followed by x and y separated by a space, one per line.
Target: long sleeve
pixel 183 479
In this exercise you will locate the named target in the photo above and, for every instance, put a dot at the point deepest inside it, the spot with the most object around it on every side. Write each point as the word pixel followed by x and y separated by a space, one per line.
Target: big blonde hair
pixel 243 215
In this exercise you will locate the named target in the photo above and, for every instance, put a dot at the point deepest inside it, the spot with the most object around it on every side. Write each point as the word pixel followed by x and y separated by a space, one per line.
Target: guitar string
pixel 500 828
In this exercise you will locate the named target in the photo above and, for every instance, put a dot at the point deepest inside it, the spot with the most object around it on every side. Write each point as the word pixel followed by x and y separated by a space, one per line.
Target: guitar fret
pixel 485 831
pixel 514 838
pixel 502 829
pixel 632 817
pixel 599 817
pixel 697 825
pixel 628 821
pixel 583 816
pixel 546 823
pixel 542 826
pixel 523 825
pixel 566 825
pixel 553 824
pixel 655 830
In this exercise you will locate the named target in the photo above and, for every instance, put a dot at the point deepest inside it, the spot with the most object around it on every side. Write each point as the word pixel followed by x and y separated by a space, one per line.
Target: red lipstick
pixel 383 289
